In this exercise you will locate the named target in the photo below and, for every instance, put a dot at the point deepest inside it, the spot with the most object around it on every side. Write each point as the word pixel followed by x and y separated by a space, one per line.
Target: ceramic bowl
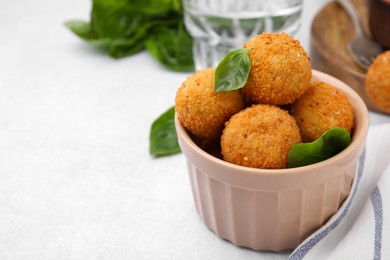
pixel 268 209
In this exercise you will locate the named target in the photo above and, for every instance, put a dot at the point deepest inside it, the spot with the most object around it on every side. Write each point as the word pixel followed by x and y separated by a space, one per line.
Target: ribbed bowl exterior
pixel 266 220
pixel 273 209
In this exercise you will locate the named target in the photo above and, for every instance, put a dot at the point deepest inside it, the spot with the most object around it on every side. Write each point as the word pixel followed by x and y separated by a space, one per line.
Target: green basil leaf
pixel 327 145
pixel 163 136
pixel 170 46
pixel 81 29
pixel 156 6
pixel 115 19
pixel 232 71
pixel 117 48
pixel 123 28
pixel 124 50
pixel 120 48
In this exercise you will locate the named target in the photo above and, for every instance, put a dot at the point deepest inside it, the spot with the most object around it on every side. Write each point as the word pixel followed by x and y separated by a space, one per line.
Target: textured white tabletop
pixel 76 178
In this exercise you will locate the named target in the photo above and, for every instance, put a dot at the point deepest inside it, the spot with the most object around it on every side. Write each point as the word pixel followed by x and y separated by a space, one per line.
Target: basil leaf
pixel 170 47
pixel 81 29
pixel 84 31
pixel 327 145
pixel 128 46
pixel 123 28
pixel 156 6
pixel 232 71
pixel 163 136
pixel 115 19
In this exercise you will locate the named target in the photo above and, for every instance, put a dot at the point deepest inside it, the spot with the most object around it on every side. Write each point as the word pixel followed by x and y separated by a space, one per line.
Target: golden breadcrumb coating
pixel 321 108
pixel 377 83
pixel 202 111
pixel 281 69
pixel 260 136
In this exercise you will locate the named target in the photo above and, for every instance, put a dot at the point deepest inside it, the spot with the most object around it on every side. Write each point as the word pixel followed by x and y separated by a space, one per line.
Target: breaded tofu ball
pixel 321 108
pixel 260 136
pixel 377 84
pixel 202 111
pixel 281 69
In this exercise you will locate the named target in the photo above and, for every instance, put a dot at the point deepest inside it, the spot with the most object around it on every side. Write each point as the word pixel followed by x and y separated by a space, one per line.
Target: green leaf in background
pixel 115 19
pixel 329 144
pixel 127 47
pixel 124 28
pixel 156 6
pixel 81 29
pixel 170 48
pixel 121 29
pixel 163 136
pixel 232 71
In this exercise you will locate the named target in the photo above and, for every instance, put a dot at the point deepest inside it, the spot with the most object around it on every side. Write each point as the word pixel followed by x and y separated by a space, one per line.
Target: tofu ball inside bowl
pixel 321 108
pixel 280 72
pixel 273 209
pixel 201 110
pixel 260 136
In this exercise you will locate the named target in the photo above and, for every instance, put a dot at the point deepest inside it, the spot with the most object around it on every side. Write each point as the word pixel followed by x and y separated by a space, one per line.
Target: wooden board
pixel 331 32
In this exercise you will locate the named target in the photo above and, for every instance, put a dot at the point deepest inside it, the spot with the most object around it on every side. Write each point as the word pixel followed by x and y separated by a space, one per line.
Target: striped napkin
pixel 361 227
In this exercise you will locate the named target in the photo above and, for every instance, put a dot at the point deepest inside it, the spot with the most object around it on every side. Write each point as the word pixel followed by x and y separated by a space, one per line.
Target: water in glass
pixel 219 26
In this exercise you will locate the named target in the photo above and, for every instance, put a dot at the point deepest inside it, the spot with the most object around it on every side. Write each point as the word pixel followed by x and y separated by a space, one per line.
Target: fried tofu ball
pixel 377 84
pixel 280 72
pixel 260 136
pixel 202 111
pixel 321 108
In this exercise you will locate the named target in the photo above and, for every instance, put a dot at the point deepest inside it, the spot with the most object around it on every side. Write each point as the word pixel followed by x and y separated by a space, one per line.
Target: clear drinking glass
pixel 219 26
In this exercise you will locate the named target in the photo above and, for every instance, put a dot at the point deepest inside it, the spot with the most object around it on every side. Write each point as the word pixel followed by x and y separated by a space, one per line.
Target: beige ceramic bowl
pixel 273 209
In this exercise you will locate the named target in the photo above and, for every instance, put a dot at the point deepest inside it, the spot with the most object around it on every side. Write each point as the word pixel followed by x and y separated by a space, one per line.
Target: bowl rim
pixel 358 137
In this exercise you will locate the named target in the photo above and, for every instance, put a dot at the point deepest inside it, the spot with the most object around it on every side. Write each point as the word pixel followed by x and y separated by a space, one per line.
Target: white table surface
pixel 76 178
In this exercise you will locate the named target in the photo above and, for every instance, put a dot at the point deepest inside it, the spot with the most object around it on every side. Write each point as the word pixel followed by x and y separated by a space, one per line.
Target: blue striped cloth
pixel 359 230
